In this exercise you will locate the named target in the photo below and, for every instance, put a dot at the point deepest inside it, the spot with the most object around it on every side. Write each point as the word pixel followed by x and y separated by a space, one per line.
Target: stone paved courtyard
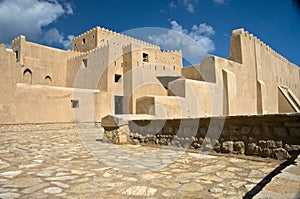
pixel 71 164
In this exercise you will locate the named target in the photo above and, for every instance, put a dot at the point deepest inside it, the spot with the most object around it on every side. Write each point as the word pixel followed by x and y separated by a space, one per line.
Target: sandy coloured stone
pixel 9 195
pixel 167 184
pixel 61 184
pixel 210 177
pixel 170 193
pixel 35 188
pixel 226 174
pixel 4 165
pixel 139 191
pixel 53 190
pixel 23 182
pixel 211 168
pixel 45 173
pixel 216 190
pixel 84 188
pixel 256 174
pixel 191 187
pixel 11 174
pixel 61 178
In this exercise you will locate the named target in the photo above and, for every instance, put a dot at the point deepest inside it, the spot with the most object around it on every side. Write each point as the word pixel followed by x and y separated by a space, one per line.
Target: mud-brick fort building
pixel 107 73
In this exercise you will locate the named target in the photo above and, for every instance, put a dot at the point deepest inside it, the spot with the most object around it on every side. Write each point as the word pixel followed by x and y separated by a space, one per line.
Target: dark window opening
pixel 117 77
pixel 145 57
pixel 75 103
pixel 84 61
pixel 83 41
pixel 48 80
pixel 17 56
pixel 27 76
pixel 118 104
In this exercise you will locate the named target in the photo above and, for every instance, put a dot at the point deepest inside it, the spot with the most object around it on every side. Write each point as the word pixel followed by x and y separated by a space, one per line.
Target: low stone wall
pixel 5 128
pixel 275 136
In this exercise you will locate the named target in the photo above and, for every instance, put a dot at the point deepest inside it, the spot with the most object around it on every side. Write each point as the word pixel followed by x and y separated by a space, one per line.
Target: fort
pixel 123 75
pixel 111 77
pixel 112 94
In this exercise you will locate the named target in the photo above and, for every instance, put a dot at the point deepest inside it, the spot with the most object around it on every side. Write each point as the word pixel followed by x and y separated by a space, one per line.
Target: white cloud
pixel 189 5
pixel 219 1
pixel 53 36
pixel 195 44
pixel 172 4
pixel 29 17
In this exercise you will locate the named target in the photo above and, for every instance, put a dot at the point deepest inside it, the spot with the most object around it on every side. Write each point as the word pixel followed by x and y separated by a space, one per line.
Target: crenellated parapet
pixel 248 37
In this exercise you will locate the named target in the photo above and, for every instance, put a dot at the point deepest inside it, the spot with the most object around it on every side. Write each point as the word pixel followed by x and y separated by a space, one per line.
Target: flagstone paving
pixel 77 164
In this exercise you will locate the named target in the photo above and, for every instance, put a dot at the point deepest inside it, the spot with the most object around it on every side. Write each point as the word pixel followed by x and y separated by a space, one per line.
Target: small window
pixel 83 41
pixel 164 68
pixel 117 77
pixel 174 68
pixel 145 57
pixel 17 56
pixel 84 61
pixel 115 63
pixel 75 103
pixel 48 80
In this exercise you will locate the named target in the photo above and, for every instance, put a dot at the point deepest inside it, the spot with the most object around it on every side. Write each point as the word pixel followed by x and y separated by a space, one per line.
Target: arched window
pixel 48 80
pixel 27 76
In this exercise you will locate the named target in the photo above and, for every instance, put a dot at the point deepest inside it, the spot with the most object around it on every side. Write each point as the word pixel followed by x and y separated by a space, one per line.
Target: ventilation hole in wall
pixel 115 63
pixel 83 41
pixel 174 68
pixel 155 68
pixel 74 103
pixel 164 68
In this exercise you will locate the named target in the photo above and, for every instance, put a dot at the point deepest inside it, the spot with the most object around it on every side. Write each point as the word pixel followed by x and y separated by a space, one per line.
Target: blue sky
pixel 209 22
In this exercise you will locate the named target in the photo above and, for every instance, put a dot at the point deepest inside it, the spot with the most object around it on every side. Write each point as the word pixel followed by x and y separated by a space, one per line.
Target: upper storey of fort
pixel 97 36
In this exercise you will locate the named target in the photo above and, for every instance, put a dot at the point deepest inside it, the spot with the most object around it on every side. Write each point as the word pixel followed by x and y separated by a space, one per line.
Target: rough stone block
pixel 250 150
pixel 265 152
pixel 281 131
pixel 279 144
pixel 234 130
pixel 295 132
pixel 225 132
pixel 245 130
pixel 292 147
pixel 271 144
pixel 281 154
pixel 227 147
pixel 239 147
pixel 256 130
pixel 262 143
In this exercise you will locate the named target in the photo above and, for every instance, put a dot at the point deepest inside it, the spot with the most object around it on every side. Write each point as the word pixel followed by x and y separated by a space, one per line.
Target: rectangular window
pixel 84 61
pixel 145 57
pixel 117 77
pixel 17 56
pixel 75 103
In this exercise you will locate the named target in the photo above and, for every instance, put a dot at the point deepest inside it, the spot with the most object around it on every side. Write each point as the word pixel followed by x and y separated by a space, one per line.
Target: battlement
pixel 94 37
pixel 246 36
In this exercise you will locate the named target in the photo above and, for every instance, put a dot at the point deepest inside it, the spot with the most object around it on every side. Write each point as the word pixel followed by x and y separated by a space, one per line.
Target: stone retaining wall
pixel 275 136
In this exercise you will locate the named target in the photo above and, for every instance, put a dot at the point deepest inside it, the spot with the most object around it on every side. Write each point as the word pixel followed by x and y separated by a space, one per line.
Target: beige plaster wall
pixel 42 61
pixel 53 104
pixel 7 85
